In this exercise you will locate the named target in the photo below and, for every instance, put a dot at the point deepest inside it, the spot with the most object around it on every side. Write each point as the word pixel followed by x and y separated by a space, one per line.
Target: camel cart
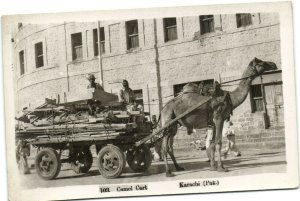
pixel 64 133
pixel 119 137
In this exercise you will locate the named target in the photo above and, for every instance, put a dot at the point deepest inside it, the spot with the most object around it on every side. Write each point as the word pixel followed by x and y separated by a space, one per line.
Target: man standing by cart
pixel 22 152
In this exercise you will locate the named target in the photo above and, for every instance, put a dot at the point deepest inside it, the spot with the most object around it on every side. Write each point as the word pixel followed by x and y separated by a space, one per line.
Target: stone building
pixel 157 57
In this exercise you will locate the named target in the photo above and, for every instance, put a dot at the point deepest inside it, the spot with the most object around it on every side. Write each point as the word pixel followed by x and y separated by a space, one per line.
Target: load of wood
pixel 81 137
pixel 75 129
pixel 73 121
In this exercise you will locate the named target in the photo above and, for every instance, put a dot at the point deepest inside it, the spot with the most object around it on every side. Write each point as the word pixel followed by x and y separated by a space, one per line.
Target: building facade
pixel 156 56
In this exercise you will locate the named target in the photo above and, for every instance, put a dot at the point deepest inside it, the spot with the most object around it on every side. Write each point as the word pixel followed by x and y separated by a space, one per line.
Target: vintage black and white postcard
pixel 154 101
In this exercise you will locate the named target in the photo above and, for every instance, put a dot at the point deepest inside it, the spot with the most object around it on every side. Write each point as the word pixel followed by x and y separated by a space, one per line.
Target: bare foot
pixel 178 168
pixel 222 169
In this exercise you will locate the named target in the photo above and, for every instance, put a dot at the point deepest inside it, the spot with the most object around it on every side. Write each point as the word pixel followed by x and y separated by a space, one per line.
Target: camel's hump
pixel 190 88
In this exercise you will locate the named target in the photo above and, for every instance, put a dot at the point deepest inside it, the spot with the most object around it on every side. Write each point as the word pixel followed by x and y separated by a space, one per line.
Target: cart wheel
pixel 81 160
pixel 47 163
pixel 111 161
pixel 139 159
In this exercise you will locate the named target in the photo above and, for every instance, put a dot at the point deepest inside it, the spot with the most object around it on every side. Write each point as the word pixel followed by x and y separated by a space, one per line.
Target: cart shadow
pixel 233 164
pixel 88 174
pixel 127 173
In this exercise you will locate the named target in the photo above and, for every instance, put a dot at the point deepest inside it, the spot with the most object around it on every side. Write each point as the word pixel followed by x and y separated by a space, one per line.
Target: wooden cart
pixel 116 144
pixel 113 138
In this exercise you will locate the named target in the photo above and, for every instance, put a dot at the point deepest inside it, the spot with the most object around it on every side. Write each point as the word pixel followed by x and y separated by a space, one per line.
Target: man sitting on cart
pixel 92 84
pixel 91 78
pixel 126 96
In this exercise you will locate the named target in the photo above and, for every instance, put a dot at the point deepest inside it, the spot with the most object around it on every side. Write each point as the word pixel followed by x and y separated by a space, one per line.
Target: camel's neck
pixel 239 95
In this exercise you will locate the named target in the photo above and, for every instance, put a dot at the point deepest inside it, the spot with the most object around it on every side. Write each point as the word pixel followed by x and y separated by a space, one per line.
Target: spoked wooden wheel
pixel 81 160
pixel 47 163
pixel 139 159
pixel 111 161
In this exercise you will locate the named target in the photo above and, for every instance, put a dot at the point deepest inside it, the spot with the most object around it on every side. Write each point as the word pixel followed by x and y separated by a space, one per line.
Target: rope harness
pixel 251 76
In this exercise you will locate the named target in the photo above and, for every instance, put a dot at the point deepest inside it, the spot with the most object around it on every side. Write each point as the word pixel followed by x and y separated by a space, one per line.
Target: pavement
pixel 252 161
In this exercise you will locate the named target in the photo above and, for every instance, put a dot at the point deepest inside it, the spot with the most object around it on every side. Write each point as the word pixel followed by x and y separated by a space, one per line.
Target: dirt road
pixel 195 163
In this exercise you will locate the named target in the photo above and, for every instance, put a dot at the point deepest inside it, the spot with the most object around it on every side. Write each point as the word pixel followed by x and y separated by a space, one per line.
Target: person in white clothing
pixel 209 138
pixel 229 133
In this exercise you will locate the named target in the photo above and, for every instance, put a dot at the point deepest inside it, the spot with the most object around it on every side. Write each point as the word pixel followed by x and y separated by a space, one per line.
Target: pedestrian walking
pixel 22 152
pixel 229 133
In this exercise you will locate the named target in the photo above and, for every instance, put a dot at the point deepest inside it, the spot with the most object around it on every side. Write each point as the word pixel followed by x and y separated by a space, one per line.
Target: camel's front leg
pixel 211 155
pixel 219 127
pixel 171 153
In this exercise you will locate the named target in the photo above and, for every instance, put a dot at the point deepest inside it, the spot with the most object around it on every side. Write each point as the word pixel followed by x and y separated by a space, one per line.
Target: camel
pixel 212 113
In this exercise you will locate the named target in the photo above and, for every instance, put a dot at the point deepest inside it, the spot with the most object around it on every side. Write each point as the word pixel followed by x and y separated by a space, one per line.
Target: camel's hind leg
pixel 165 148
pixel 171 153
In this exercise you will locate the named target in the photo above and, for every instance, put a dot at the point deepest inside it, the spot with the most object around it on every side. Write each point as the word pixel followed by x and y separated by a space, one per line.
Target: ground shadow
pixel 268 153
pixel 88 174
pixel 191 166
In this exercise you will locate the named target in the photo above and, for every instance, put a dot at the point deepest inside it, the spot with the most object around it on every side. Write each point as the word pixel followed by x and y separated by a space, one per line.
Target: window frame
pixel 74 47
pixel 167 27
pixel 209 19
pixel 39 55
pixel 239 21
pixel 130 35
pixel 102 41
pixel 254 98
pixel 22 62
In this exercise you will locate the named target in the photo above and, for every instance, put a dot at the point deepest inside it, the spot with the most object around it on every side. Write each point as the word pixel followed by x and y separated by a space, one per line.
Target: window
pixel 139 96
pixel 95 37
pixel 256 98
pixel 39 57
pixel 22 64
pixel 243 19
pixel 170 28
pixel 76 40
pixel 206 23
pixel 132 33
pixel 179 87
pixel 102 41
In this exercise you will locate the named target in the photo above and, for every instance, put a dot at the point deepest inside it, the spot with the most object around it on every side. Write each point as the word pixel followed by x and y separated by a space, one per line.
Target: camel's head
pixel 260 66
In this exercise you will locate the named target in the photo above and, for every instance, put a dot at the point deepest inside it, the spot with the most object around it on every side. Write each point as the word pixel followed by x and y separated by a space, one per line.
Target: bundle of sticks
pixel 75 129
